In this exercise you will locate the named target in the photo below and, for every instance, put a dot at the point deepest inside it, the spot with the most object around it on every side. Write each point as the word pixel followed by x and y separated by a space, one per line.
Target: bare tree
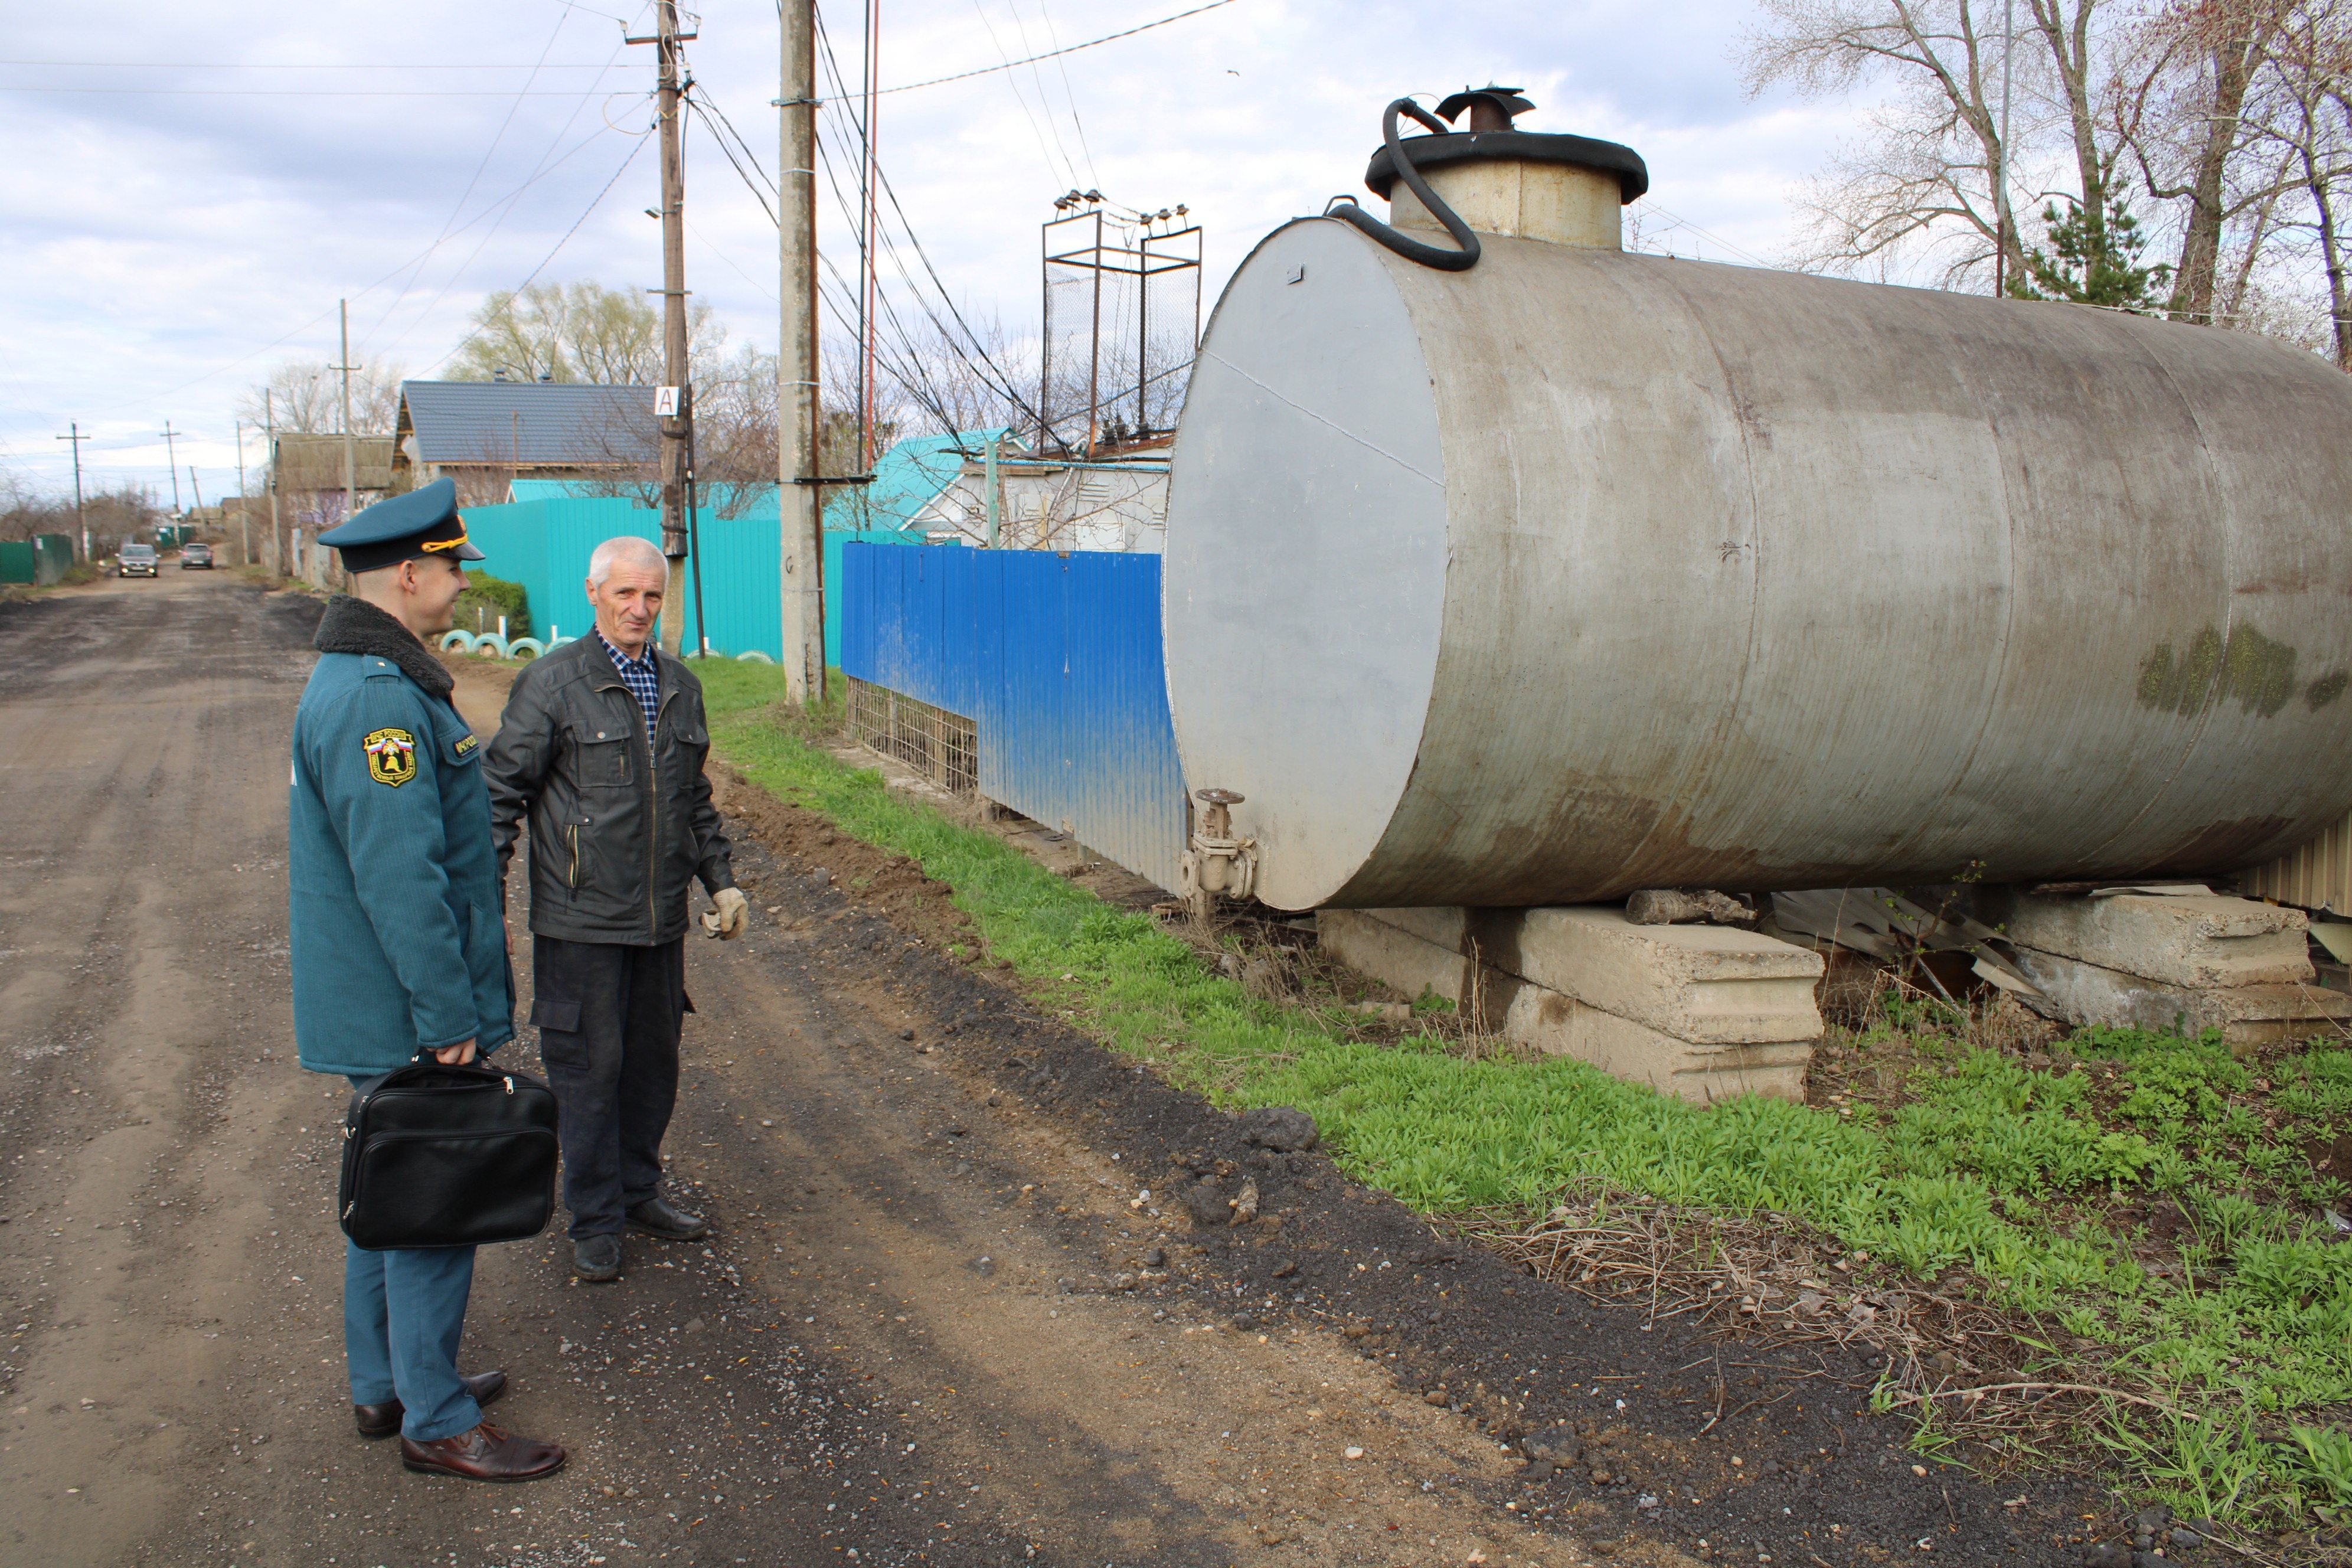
pixel 1924 178
pixel 583 332
pixel 306 398
pixel 2301 109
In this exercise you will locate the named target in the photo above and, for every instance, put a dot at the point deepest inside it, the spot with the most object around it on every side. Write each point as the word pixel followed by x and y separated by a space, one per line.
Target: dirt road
pixel 937 1323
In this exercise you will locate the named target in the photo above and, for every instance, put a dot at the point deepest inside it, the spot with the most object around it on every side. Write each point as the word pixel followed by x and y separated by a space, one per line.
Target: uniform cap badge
pixel 391 756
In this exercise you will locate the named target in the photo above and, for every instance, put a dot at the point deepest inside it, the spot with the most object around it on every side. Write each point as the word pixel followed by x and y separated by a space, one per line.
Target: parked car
pixel 196 555
pixel 136 560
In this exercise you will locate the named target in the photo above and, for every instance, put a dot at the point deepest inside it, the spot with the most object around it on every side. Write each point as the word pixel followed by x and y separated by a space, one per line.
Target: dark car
pixel 196 556
pixel 138 561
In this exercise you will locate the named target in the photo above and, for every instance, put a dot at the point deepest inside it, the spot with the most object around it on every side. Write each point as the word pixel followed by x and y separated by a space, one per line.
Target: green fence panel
pixel 17 560
pixel 53 557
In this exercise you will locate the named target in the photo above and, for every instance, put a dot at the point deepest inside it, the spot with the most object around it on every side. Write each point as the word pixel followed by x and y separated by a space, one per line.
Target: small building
pixel 907 478
pixel 487 434
pixel 1117 503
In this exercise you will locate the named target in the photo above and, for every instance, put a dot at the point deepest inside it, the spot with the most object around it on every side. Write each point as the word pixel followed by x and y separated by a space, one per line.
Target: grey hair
pixel 608 556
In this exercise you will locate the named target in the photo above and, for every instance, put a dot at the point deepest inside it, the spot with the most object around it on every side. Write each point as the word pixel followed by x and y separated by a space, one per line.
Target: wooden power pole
pixel 351 439
pixel 679 405
pixel 802 497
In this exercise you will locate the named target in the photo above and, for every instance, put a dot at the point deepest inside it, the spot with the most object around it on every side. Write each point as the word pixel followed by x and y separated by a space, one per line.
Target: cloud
pixel 164 249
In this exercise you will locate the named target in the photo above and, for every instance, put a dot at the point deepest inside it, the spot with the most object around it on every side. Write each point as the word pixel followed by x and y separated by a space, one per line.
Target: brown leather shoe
pixel 384 1420
pixel 485 1453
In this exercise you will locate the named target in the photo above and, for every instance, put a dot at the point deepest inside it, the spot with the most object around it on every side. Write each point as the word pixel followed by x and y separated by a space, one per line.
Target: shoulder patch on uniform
pixel 391 756
pixel 464 743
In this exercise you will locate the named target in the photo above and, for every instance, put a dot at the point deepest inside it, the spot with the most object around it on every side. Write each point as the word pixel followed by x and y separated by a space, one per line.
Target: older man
pixel 601 750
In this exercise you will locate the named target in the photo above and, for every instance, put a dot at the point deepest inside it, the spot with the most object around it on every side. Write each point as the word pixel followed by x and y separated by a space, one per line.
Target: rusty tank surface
pixel 1572 572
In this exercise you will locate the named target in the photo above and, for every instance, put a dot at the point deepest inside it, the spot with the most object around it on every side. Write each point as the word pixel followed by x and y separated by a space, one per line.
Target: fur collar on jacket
pixel 354 625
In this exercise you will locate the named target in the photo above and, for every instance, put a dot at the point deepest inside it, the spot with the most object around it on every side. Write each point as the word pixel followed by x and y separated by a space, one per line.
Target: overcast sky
pixel 189 188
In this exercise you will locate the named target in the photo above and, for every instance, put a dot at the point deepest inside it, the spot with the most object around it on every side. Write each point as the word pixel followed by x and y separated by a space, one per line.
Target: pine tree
pixel 2091 262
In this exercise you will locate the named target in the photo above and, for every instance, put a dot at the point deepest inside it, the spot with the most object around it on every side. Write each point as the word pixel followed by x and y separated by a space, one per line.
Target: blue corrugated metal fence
pixel 1058 660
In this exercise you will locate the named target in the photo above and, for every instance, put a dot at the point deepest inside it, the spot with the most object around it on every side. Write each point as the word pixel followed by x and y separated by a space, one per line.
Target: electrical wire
pixel 532 276
pixel 479 169
pixel 1051 54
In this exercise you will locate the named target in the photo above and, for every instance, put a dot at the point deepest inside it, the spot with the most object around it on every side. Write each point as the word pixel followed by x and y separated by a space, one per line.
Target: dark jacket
pixel 398 945
pixel 617 828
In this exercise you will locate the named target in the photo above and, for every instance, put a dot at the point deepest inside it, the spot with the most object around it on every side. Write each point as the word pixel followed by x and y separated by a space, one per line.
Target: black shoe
pixel 596 1259
pixel 659 1218
pixel 384 1420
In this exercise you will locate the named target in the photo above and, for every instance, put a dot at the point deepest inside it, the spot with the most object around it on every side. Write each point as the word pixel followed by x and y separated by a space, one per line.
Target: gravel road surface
pixel 936 1323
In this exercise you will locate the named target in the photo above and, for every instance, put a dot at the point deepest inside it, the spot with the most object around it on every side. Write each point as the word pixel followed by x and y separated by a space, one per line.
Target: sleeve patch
pixel 465 745
pixel 391 756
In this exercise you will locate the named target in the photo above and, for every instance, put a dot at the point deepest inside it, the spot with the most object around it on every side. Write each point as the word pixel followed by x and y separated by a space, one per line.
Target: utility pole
pixel 277 532
pixel 801 496
pixel 194 488
pixel 867 301
pixel 171 461
pixel 675 422
pixel 244 503
pixel 81 519
pixel 351 441
pixel 2001 219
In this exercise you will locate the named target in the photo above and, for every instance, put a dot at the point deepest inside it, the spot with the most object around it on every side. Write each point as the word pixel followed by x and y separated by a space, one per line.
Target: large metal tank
pixel 1579 572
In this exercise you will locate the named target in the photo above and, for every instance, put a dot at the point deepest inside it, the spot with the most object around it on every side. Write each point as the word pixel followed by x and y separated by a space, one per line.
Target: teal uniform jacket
pixel 397 940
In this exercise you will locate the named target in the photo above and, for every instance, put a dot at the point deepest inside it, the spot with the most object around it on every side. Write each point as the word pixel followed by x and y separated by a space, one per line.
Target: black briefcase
pixel 448 1156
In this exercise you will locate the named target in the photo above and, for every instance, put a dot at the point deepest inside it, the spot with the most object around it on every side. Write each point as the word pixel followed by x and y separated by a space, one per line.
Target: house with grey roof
pixel 487 434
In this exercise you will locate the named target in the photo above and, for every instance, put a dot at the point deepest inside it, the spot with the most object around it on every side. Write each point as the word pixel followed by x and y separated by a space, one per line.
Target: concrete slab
pixel 1395 948
pixel 1401 960
pixel 1562 1026
pixel 2077 993
pixel 1707 984
pixel 2196 940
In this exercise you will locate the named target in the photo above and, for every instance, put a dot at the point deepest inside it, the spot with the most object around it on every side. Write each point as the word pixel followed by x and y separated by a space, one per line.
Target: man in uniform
pixel 398 945
pixel 601 749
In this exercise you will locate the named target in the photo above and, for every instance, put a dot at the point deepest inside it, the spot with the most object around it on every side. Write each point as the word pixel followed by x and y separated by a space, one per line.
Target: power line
pixel 479 169
pixel 1053 54
pixel 507 210
pixel 298 66
pixel 395 272
pixel 290 92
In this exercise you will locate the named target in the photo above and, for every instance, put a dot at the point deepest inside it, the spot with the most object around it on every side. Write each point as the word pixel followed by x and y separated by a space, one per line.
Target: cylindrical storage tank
pixel 1581 572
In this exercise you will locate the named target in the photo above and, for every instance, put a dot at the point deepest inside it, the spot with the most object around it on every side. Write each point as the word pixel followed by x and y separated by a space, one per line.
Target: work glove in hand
pixel 731 911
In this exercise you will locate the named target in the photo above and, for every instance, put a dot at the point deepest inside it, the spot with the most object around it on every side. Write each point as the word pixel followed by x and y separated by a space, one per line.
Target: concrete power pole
pixel 81 519
pixel 171 461
pixel 676 421
pixel 277 530
pixel 351 441
pixel 243 516
pixel 796 366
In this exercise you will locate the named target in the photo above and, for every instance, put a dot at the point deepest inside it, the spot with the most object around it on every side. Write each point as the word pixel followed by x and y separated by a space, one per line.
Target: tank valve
pixel 1218 865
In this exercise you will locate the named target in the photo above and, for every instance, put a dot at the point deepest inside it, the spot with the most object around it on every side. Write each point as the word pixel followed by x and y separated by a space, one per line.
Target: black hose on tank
pixel 1437 255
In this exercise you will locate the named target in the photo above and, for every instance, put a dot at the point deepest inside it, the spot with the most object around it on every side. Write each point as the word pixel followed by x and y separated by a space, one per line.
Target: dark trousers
pixel 608 1019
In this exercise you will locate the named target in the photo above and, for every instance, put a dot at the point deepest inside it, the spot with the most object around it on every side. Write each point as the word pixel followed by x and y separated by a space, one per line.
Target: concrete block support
pixel 1702 1012
pixel 2197 940
pixel 2083 994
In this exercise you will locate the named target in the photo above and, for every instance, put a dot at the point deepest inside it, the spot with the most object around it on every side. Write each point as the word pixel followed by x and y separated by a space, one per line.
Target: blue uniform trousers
pixel 404 1311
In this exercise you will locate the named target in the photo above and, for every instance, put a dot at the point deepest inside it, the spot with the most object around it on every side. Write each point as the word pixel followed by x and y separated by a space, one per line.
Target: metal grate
pixel 943 747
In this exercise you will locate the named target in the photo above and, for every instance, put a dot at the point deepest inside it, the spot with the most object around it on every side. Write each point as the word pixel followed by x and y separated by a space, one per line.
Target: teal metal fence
pixel 545 544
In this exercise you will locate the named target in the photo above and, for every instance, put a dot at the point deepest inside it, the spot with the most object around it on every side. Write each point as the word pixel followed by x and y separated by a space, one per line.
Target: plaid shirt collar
pixel 641 676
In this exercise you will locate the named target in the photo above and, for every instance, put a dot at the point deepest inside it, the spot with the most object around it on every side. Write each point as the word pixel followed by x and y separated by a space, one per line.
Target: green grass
pixel 1988 1165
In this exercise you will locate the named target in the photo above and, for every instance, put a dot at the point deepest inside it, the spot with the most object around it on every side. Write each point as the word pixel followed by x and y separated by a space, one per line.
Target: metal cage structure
pixel 1122 319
